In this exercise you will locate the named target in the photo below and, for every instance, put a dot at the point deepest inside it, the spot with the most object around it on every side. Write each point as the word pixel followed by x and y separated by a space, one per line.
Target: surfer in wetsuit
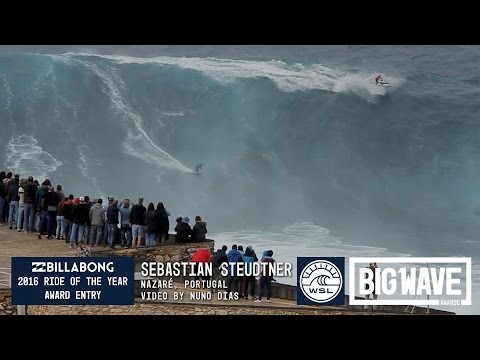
pixel 198 168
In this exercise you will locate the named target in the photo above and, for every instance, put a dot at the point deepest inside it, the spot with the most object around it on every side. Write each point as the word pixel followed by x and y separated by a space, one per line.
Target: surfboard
pixel 384 83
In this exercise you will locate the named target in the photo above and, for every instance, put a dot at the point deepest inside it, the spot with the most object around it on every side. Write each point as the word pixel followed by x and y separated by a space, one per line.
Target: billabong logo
pixel 39 266
pixel 320 281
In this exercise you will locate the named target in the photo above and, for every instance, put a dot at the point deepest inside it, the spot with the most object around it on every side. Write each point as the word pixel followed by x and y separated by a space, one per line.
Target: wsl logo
pixel 39 266
pixel 320 281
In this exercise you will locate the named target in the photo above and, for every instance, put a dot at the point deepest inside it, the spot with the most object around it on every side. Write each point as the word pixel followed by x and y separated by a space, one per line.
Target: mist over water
pixel 287 135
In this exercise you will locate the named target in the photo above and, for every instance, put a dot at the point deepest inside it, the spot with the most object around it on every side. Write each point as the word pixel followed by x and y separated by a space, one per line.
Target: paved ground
pixel 13 243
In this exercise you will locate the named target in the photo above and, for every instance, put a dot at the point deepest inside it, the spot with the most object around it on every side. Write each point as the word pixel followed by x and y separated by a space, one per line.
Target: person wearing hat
pixel 183 230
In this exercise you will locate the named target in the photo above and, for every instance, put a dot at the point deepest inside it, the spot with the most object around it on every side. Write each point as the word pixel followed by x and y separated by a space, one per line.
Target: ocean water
pixel 302 153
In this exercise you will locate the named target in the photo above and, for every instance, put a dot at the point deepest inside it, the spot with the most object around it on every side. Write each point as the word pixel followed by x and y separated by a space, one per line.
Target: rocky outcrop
pixel 6 307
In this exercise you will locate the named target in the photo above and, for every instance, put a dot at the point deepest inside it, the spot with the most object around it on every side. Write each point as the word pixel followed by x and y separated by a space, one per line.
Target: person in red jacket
pixel 202 255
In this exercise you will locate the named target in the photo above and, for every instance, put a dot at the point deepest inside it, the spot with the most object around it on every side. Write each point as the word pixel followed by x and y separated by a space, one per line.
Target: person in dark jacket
pixel 68 206
pixel 218 259
pixel 42 208
pixel 266 278
pixel 13 198
pixel 112 222
pixel 40 194
pixel 150 222
pixel 30 190
pixel 80 218
pixel 106 206
pixel 60 230
pixel 51 202
pixel 199 230
pixel 88 225
pixel 162 223
pixel 234 257
pixel 183 230
pixel 60 194
pixel 3 200
pixel 249 258
pixel 6 206
pixel 136 219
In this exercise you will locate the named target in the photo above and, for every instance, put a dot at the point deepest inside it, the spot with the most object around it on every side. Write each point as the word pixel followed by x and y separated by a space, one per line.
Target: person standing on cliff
pixel 218 259
pixel 199 230
pixel 125 225
pixel 183 230
pixel 42 208
pixel 106 206
pixel 3 200
pixel 97 222
pixel 234 257
pixel 68 206
pixel 29 200
pixel 112 222
pixel 150 221
pixel 80 215
pixel 13 198
pixel 163 224
pixel 249 258
pixel 51 203
pixel 266 278
pixel 21 205
pixel 136 219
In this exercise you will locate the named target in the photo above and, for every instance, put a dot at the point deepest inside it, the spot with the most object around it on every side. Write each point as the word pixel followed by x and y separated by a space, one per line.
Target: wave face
pixel 286 135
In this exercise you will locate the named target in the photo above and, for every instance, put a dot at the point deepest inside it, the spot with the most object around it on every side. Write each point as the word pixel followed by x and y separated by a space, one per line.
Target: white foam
pixel 299 239
pixel 8 91
pixel 138 143
pixel 287 77
pixel 25 156
pixel 178 113
pixel 83 164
